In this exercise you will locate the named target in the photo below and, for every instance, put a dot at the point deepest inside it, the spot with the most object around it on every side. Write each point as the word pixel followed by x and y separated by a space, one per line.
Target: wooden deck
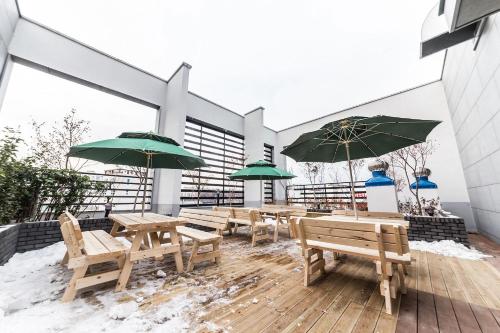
pixel 445 294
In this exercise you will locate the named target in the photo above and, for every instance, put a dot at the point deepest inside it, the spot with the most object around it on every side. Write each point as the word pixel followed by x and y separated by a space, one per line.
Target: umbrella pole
pixel 261 204
pixel 145 184
pixel 353 198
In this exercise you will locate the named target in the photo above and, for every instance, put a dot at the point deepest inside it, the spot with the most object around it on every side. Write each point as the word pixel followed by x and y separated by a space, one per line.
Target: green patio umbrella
pixel 139 149
pixel 358 137
pixel 261 170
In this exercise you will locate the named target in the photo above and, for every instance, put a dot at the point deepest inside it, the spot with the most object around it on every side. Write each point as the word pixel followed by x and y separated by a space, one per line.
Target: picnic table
pixel 278 214
pixel 136 229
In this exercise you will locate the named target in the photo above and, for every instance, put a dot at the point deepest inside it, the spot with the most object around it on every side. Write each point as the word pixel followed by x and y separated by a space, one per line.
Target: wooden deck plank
pixel 301 317
pixel 427 317
pixel 482 311
pixel 463 312
pixel 445 294
pixel 447 320
pixel 408 312
pixel 327 321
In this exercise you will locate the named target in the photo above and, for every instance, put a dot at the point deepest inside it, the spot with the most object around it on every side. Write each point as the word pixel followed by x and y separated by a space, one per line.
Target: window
pixel 269 184
pixel 223 151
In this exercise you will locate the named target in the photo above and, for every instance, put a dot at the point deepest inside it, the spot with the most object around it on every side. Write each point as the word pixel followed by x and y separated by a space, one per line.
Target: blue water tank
pixel 379 178
pixel 423 182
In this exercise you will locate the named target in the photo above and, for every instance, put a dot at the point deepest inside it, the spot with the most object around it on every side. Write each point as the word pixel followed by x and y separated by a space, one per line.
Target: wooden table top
pixel 344 218
pixel 134 221
pixel 273 210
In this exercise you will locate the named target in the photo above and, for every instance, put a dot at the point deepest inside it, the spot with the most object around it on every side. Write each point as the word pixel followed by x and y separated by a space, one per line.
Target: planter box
pixel 430 229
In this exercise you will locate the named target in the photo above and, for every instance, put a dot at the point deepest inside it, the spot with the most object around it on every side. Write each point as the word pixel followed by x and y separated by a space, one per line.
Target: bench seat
pixel 99 242
pixel 367 253
pixel 217 220
pixel 240 221
pixel 198 235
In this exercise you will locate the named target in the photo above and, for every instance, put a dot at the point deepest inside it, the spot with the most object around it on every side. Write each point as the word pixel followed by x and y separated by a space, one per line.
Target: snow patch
pixel 32 284
pixel 448 248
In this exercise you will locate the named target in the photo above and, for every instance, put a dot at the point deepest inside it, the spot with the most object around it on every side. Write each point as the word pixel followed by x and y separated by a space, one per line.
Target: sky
pixel 298 59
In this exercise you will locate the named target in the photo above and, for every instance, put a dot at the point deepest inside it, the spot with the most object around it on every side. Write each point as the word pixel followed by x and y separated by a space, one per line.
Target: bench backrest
pixel 385 237
pixel 296 210
pixel 246 214
pixel 208 218
pixel 68 217
pixel 224 209
pixel 72 235
pixel 364 213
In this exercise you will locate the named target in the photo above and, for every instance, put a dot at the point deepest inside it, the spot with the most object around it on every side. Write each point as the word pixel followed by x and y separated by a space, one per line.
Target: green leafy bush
pixel 32 193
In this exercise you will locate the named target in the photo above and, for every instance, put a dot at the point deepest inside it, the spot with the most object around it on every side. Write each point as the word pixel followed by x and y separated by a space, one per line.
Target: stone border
pixel 8 241
pixel 22 237
pixel 430 229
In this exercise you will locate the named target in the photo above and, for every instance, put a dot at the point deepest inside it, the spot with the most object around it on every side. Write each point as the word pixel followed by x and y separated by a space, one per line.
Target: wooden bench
pixel 207 218
pixel 248 217
pixel 386 245
pixel 85 249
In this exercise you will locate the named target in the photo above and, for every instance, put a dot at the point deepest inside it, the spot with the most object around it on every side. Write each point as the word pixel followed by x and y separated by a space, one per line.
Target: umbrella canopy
pixel 261 170
pixel 365 137
pixel 134 148
pixel 139 149
pixel 358 137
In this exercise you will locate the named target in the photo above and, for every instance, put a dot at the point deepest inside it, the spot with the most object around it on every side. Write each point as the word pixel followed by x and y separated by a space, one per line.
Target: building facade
pixel 466 100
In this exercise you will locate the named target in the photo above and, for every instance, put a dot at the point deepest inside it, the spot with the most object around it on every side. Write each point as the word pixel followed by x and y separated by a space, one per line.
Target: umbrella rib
pixel 396 135
pixel 366 145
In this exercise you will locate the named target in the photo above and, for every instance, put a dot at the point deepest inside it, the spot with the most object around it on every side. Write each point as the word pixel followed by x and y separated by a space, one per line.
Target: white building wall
pixel 8 20
pixel 425 102
pixel 471 81
pixel 212 113
pixel 55 52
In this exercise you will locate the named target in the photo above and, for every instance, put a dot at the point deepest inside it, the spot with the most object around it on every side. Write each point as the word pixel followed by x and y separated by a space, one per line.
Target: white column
pixel 4 78
pixel 254 150
pixel 171 123
pixel 280 185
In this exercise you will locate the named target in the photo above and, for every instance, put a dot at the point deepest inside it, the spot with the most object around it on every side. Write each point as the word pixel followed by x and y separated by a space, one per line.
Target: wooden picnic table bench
pixel 137 228
pixel 281 217
pixel 384 243
pixel 248 217
pixel 85 249
pixel 217 220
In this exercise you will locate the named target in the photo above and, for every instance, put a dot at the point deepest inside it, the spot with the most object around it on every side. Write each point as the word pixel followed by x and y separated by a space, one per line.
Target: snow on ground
pixel 448 248
pixel 32 283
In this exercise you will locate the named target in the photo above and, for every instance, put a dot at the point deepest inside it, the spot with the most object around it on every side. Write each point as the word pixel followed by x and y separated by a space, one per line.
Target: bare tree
pixel 51 146
pixel 140 173
pixel 357 166
pixel 411 160
pixel 199 183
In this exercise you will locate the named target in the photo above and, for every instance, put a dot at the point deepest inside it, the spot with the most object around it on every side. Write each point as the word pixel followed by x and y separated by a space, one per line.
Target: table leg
pixel 146 241
pixel 276 227
pixel 155 243
pixel 177 255
pixel 114 229
pixel 287 217
pixel 127 267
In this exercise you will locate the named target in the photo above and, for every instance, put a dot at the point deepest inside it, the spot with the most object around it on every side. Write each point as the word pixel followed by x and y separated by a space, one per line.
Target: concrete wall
pixel 425 102
pixel 8 20
pixel 471 81
pixel 56 53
